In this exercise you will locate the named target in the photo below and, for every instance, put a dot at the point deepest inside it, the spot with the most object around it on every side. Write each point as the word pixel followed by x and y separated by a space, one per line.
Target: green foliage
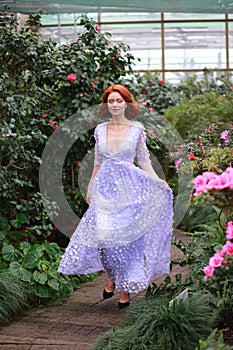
pixel 211 148
pixel 154 325
pixel 14 296
pixel 210 81
pixel 152 92
pixel 37 264
pixel 215 341
pixel 202 110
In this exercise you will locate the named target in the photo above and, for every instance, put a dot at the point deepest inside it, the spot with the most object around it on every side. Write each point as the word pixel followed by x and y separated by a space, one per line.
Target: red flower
pixel 214 168
pixel 98 28
pixel 44 115
pixel 71 77
pixel 78 164
pixel 161 81
pixel 55 127
pixel 191 156
pixel 93 86
pixel 51 123
pixel 86 94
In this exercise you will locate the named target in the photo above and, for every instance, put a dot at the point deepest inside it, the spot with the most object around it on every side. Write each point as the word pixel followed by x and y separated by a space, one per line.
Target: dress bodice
pixel 133 145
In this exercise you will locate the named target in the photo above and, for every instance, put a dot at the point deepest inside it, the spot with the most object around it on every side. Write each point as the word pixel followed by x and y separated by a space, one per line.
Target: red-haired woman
pixel 127 228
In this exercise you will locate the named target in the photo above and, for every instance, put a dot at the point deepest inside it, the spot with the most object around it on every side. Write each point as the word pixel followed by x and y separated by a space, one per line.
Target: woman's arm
pixel 94 172
pixel 149 169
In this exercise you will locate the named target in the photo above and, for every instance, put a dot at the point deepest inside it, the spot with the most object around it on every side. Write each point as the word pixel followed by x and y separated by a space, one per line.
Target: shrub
pixel 41 85
pixel 202 110
pixel 14 296
pixel 154 325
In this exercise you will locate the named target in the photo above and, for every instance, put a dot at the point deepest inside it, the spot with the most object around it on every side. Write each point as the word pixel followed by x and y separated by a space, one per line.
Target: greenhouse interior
pixel 112 241
pixel 169 37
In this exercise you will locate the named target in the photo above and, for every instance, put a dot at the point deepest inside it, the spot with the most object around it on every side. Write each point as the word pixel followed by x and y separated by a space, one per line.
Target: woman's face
pixel 116 104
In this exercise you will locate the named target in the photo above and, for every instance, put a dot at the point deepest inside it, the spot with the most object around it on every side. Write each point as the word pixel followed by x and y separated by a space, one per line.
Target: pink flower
pixel 152 109
pixel 78 164
pixel 178 162
pixel 150 131
pixel 71 77
pixel 118 53
pixel 44 115
pixel 229 230
pixel 81 95
pixel 93 86
pixel 98 28
pixel 199 181
pixel 224 134
pixel 55 127
pixel 216 260
pixel 222 181
pixel 51 123
pixel 208 271
pixel 229 171
pixel 161 81
pixel 227 249
pixel 191 156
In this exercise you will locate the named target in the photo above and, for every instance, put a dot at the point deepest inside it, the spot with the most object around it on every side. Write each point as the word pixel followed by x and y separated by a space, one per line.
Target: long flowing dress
pixel 127 229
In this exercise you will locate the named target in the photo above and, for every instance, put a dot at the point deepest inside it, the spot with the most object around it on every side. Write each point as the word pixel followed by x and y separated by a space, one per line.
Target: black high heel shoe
pixel 123 305
pixel 107 295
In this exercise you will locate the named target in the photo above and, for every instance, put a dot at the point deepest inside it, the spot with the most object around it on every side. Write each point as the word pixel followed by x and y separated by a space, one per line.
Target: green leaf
pixel 53 283
pixel 9 253
pixel 39 277
pixel 33 256
pixel 52 249
pixel 42 291
pixel 19 272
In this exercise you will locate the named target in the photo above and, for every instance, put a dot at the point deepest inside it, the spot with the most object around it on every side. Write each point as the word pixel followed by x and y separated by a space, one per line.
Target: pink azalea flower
pixel 208 271
pixel 199 181
pixel 224 134
pixel 229 171
pixel 229 230
pixel 150 131
pixel 118 53
pixel 222 181
pixel 227 249
pixel 216 260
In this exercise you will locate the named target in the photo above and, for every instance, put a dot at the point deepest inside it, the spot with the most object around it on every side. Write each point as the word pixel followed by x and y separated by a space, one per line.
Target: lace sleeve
pixel 97 158
pixel 142 152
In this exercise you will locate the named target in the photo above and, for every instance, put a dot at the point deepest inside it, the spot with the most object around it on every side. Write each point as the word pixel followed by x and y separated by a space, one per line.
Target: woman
pixel 127 228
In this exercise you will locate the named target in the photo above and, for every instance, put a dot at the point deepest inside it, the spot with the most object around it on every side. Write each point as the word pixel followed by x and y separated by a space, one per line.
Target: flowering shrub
pixel 43 84
pixel 152 92
pixel 220 266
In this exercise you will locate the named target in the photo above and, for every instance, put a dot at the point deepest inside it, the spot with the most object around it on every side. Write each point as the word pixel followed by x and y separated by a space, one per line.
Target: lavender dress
pixel 127 228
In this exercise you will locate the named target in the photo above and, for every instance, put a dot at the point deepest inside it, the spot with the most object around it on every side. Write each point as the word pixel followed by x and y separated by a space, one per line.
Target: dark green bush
pixel 14 296
pixel 201 111
pixel 154 325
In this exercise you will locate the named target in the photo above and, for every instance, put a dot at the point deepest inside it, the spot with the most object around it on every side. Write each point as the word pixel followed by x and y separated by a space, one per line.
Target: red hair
pixel 132 109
